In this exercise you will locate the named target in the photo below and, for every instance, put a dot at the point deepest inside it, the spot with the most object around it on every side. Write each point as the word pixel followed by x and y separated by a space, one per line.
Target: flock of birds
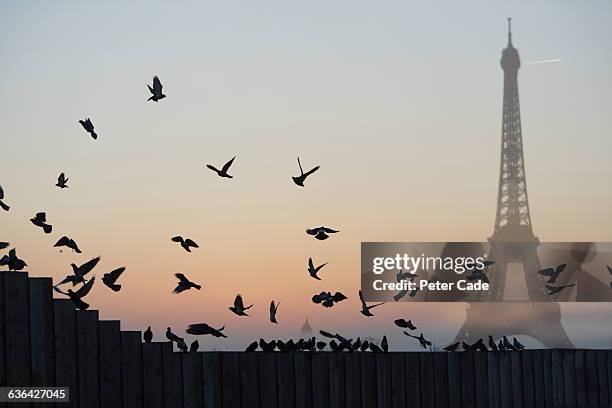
pixel 337 342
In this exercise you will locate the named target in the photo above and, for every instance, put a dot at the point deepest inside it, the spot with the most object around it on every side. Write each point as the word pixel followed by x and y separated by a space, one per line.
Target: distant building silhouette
pixel 306 329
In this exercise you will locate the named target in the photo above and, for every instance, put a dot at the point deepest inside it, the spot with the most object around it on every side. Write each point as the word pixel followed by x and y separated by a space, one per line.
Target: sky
pixel 398 102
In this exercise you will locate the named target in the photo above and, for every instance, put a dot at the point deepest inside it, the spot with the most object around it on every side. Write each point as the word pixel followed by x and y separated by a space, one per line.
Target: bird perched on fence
pixel 89 127
pixel 61 181
pixel 267 347
pixel 68 243
pixel 321 233
pixel 556 289
pixel 184 284
pixel 299 180
pixel 507 344
pixel 187 244
pixel 273 310
pixel 384 344
pixel 224 169
pixel 312 270
pixel 2 204
pixel 194 346
pixel 451 347
pixel 404 324
pixel 500 345
pixel 202 329
pixel 79 272
pixel 110 278
pixel 422 340
pixel 148 335
pixel 517 344
pixel 77 297
pixel 365 309
pixel 156 90
pixel 251 347
pixel 12 261
pixel 40 220
pixel 173 337
pixel 492 344
pixel 182 346
pixel 552 273
pixel 239 307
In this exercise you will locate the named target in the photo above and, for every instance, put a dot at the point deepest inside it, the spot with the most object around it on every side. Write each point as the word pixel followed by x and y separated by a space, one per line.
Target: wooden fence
pixel 45 341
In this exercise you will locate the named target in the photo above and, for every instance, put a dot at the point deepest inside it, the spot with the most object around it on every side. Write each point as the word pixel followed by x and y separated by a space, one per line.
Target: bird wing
pixel 84 290
pixel 213 168
pixel 114 275
pixel 61 178
pixel 309 172
pixel 560 268
pixel 311 265
pixel 238 302
pixel 329 230
pixel 313 231
pixel 191 243
pixel 182 278
pixel 178 238
pixel 63 241
pixel 609 269
pixel 547 272
pixel 88 266
pixel 157 86
pixel 1 193
pixel 300 164
pixel 363 303
pixel 227 165
pixel 41 216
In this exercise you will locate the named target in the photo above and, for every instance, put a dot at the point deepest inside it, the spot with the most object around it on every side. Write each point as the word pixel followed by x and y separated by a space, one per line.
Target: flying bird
pixel 223 171
pixel 156 90
pixel 365 309
pixel 184 284
pixel 321 233
pixel 193 347
pixel 239 307
pixel 89 127
pixel 201 329
pixel 68 243
pixel 327 299
pixel 2 204
pixel 79 272
pixel 187 244
pixel 556 289
pixel 61 181
pixel 478 274
pixel 4 245
pixel 312 270
pixel 40 220
pixel 405 324
pixel 552 273
pixel 77 297
pixel 273 309
pixel 110 278
pixel 148 335
pixel 302 177
pixel 451 347
pixel 422 340
pixel 12 261
pixel 173 337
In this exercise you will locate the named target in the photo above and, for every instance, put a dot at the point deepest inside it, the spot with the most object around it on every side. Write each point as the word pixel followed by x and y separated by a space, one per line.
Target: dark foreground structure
pixel 45 341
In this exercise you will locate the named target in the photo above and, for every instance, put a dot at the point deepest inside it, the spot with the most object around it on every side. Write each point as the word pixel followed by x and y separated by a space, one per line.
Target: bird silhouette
pixel 173 337
pixel 267 347
pixel 68 243
pixel 610 272
pixel 40 220
pixel 239 307
pixel 156 90
pixel 181 345
pixel 327 299
pixel 400 276
pixel 2 204
pixel 552 273
pixel 273 310
pixel 251 347
pixel 517 344
pixel 422 340
pixel 110 278
pixel 312 270
pixel 89 127
pixel 194 346
pixel 202 329
pixel 148 335
pixel 365 309
pixel 321 233
pixel 507 344
pixel 184 284
pixel 302 177
pixel 556 289
pixel 492 344
pixel 4 245
pixel 384 344
pixel 451 347
pixel 500 345
pixel 77 297
pixel 79 272
pixel 224 169
pixel 478 274
pixel 405 324
pixel 187 244
pixel 12 261
pixel 374 348
pixel 466 346
pixel 61 181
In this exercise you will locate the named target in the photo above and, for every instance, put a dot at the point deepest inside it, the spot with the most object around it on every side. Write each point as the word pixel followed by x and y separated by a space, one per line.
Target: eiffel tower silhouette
pixel 513 240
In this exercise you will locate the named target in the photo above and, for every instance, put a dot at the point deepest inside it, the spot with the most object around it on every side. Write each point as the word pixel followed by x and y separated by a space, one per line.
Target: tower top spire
pixel 509 30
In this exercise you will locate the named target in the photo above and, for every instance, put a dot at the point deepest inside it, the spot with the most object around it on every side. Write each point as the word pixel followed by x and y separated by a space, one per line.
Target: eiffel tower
pixel 513 240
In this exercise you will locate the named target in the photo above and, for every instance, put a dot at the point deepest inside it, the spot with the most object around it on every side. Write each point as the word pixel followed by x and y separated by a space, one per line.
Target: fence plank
pixel 320 379
pixel 286 380
pixel 131 368
pixel 17 328
pixel 249 380
pixel 413 379
pixel 581 392
pixel 88 358
pixel 64 322
pixel 609 366
pixel 557 378
pixel 468 386
pixel 591 378
pixel 193 390
pixel 110 363
pixel 398 380
pixel 569 378
pixel 172 370
pixel 517 379
pixel 152 372
pixel 494 379
pixel 547 373
pixel 352 364
pixel 505 379
pixel 383 380
pixel 230 363
pixel 602 376
pixel 368 380
pixel 41 332
pixel 303 379
pixel 441 374
pixel 2 334
pixel 528 378
pixel 538 378
pixel 427 380
pixel 211 376
pixel 481 379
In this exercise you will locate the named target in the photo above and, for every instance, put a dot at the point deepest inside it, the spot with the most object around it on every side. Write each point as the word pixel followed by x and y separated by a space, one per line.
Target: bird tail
pixel 198 287
pixel 94 135
pixel 4 206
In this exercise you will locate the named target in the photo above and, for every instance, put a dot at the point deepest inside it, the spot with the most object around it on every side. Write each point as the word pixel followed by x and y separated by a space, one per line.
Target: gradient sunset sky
pixel 398 102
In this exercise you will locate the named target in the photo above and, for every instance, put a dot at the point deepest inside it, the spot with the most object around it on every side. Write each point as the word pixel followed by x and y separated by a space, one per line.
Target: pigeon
pixel 40 220
pixel 61 181
pixel 173 337
pixel 302 177
pixel 375 348
pixel 451 347
pixel 182 346
pixel 187 244
pixel 479 345
pixel 365 345
pixel 492 344
pixel 267 347
pixel 89 127
pixel 551 273
pixel 466 346
pixel 156 90
pixel 405 324
pixel 273 309
pixel 556 289
pixel 239 307
pixel 365 309
pixel 507 344
pixel 2 204
pixel 79 272
pixel 223 171
pixel 194 346
pixel 68 243
pixel 4 245
pixel 184 284
pixel 110 278
pixel 312 270
pixel 422 340
pixel 478 274
pixel 77 297
pixel 203 329
pixel 148 335
pixel 12 261
pixel 251 347
pixel 384 344
pixel 321 233
pixel 327 299
pixel 327 334
pixel 500 345
pixel 517 344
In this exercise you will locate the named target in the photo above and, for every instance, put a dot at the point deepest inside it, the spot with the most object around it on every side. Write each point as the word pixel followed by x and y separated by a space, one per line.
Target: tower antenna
pixel 509 30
